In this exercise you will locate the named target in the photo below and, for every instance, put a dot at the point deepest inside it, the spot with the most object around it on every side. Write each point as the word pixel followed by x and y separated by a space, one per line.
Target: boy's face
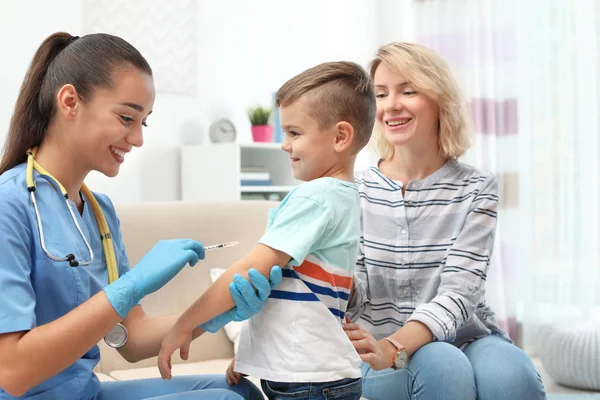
pixel 311 149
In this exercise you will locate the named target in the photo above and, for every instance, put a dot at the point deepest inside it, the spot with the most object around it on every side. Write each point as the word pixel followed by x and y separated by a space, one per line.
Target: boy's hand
pixel 175 339
pixel 232 377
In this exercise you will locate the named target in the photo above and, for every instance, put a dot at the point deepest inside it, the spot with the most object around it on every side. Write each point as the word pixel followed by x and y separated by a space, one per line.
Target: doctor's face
pixel 113 120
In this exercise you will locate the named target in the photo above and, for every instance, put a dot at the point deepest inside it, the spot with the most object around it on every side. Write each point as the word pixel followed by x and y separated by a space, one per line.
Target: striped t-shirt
pixel 298 335
pixel 424 256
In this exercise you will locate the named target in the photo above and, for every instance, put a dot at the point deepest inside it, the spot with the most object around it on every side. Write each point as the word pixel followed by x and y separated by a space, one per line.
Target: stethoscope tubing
pixel 70 257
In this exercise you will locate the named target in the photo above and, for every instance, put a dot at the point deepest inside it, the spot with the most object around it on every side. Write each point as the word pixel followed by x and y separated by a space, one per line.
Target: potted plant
pixel 259 118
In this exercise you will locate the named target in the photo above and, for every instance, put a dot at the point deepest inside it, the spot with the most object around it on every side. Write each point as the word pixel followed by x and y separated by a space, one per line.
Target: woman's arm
pixel 29 358
pixel 380 354
pixel 462 281
pixel 147 333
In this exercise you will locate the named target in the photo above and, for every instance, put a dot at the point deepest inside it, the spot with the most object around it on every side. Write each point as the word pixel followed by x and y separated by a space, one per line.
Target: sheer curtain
pixel 559 49
pixel 478 40
pixel 529 71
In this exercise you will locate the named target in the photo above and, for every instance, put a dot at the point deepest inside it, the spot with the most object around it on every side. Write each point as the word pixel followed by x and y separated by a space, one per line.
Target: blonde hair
pixel 338 91
pixel 430 75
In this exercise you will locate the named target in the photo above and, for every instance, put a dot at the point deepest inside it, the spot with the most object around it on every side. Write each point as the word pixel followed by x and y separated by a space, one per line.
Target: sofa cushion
pixel 104 378
pixel 570 353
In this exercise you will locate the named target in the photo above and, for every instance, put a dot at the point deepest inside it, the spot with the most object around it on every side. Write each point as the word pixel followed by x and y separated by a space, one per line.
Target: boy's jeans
pixel 344 389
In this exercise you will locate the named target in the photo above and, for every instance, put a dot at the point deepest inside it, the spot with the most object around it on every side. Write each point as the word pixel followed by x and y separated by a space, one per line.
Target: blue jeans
pixel 344 389
pixel 490 368
pixel 205 387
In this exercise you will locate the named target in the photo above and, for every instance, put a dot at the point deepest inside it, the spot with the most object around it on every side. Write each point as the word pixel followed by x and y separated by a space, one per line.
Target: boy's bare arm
pixel 217 299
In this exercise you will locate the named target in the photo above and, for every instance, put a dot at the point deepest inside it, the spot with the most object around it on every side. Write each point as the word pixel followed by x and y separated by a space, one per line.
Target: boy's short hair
pixel 338 91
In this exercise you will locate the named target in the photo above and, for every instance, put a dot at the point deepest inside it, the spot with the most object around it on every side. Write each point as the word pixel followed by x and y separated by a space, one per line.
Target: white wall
pixel 394 21
pixel 246 50
pixel 21 31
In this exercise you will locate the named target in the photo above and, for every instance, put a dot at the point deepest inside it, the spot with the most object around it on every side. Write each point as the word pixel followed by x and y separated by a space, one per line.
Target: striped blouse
pixel 424 256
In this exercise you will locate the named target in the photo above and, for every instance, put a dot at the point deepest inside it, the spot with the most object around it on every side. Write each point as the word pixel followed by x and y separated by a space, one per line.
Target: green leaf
pixel 259 115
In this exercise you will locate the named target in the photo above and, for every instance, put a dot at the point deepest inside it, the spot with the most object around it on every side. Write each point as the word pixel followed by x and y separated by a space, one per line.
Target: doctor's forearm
pixel 145 334
pixel 48 349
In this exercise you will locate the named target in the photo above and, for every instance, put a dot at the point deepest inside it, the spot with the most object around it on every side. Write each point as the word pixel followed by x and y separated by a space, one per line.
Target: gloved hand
pixel 157 267
pixel 247 301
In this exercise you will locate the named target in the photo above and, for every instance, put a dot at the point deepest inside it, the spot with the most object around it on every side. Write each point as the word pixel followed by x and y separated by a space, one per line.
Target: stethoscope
pixel 117 336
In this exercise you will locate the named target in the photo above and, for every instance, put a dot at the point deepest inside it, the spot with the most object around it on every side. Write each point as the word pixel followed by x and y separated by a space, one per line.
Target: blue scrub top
pixel 34 290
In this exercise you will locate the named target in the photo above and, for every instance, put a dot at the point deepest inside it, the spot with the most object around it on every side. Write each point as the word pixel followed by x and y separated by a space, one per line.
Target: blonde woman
pixel 428 224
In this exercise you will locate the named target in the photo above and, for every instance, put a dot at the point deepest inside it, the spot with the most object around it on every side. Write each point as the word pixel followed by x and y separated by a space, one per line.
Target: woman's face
pixel 406 117
pixel 113 120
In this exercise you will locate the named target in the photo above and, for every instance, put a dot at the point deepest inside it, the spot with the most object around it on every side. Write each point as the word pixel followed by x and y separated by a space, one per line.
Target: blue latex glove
pixel 157 267
pixel 247 300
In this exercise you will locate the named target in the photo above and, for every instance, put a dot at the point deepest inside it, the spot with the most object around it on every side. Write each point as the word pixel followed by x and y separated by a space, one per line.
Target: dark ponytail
pixel 87 63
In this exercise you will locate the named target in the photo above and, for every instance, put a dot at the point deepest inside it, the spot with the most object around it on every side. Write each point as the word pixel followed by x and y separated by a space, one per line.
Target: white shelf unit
pixel 212 172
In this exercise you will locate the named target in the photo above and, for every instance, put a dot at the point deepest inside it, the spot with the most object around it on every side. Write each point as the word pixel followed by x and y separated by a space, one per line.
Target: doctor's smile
pixel 119 154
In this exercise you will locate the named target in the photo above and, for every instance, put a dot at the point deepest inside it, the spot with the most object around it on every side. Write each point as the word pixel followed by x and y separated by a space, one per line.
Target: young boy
pixel 327 113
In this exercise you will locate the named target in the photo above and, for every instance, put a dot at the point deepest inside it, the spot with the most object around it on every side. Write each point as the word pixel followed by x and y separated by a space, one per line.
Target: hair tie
pixel 71 40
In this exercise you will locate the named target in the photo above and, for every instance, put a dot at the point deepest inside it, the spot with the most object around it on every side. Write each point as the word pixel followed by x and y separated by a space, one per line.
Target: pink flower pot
pixel 262 133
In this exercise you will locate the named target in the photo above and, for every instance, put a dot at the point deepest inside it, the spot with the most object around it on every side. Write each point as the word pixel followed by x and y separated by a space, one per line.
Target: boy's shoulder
pixel 322 190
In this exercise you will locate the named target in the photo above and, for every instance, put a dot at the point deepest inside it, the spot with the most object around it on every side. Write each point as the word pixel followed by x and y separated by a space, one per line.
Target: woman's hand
pixel 164 261
pixel 155 269
pixel 249 297
pixel 379 354
pixel 232 377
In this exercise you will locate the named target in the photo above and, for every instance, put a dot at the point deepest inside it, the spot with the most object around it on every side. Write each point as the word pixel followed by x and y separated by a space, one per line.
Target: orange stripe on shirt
pixel 316 272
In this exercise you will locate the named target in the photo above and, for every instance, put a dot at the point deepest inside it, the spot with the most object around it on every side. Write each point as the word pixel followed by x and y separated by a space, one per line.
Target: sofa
pixel 143 225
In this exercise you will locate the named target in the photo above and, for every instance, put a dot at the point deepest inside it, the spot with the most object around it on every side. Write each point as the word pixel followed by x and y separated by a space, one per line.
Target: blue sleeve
pixel 297 227
pixel 17 297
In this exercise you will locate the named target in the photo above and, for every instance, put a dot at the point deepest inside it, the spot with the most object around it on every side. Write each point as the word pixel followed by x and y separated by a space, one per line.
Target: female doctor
pixel 65 280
